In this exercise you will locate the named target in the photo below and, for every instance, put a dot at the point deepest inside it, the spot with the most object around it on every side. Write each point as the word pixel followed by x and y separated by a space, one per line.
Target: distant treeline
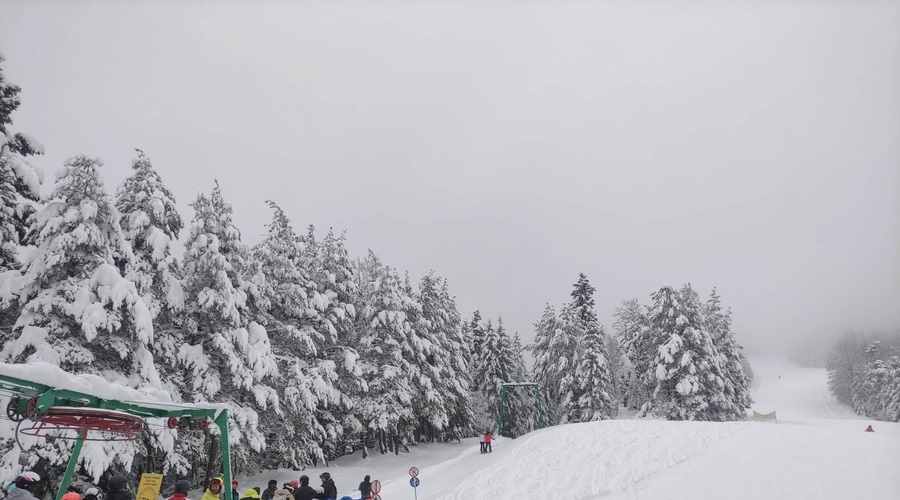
pixel 864 373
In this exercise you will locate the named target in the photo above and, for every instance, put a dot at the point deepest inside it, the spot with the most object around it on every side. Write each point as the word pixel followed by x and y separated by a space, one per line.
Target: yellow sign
pixel 148 489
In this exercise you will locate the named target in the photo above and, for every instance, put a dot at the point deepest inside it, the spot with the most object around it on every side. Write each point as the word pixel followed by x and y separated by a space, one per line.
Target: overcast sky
pixel 510 147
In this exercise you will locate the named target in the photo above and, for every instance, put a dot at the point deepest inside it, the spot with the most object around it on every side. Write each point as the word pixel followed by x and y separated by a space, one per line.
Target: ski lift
pixel 41 410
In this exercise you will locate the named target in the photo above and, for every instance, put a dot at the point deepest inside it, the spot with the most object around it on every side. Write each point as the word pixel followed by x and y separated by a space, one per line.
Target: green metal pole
pixel 222 422
pixel 73 462
pixel 502 401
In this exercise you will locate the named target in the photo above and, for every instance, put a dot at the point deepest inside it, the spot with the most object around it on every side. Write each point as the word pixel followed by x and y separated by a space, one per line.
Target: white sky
pixel 510 147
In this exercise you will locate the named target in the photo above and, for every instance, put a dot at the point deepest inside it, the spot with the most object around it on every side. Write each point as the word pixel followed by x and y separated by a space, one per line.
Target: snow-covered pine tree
pixel 490 373
pixel 299 335
pixel 151 223
pixel 618 363
pixel 866 393
pixel 389 353
pixel 20 181
pixel 891 393
pixel 77 311
pixel 227 356
pixel 475 337
pixel 521 414
pixel 590 398
pixel 593 383
pixel 565 346
pixel 20 184
pixel 335 277
pixel 442 399
pixel 731 357
pixel 550 343
pixel 689 381
pixel 9 234
pixel 458 385
pixel 846 368
pixel 632 332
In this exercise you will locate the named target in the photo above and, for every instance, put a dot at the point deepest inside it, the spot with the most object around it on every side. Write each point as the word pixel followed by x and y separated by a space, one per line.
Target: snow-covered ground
pixel 816 451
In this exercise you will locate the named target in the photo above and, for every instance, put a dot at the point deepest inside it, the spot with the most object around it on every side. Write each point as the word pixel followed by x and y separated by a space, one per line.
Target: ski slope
pixel 816 451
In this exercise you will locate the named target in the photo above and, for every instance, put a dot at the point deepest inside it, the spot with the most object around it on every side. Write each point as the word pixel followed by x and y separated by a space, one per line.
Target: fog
pixel 510 146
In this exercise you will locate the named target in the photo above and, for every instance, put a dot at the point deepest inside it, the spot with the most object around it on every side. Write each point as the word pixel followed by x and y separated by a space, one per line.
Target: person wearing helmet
pixel 214 490
pixel 181 490
pixel 270 490
pixel 329 489
pixel 118 489
pixel 72 493
pixel 304 491
pixel 25 485
pixel 251 494
pixel 92 493
pixel 234 491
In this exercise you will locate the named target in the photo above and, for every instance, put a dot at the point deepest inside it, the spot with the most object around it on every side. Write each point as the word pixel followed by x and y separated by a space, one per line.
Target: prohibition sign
pixel 376 486
pixel 413 471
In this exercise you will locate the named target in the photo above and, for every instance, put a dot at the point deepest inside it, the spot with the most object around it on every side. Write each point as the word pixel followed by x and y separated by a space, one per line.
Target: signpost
pixel 148 488
pixel 414 480
pixel 376 489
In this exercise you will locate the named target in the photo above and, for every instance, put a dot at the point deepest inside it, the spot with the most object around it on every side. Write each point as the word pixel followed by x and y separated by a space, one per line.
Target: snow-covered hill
pixel 816 451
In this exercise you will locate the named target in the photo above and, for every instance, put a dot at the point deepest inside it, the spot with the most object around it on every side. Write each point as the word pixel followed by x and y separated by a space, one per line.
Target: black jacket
pixel 330 490
pixel 268 493
pixel 365 489
pixel 304 492
pixel 119 495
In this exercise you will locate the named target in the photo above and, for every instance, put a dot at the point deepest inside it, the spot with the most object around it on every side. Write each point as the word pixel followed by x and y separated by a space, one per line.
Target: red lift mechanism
pixel 62 422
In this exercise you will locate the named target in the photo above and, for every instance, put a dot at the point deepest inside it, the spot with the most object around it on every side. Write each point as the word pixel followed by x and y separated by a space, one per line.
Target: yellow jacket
pixel 209 495
pixel 252 494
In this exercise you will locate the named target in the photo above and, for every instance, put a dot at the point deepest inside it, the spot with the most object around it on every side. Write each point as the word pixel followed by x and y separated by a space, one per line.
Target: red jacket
pixel 178 496
pixel 488 437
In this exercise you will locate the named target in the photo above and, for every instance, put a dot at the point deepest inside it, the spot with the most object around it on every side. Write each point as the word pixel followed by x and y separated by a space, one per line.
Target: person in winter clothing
pixel 251 494
pixel 365 488
pixel 214 490
pixel 93 493
pixel 72 493
pixel 270 491
pixel 118 489
pixel 283 494
pixel 481 442
pixel 304 491
pixel 25 485
pixel 329 489
pixel 234 492
pixel 181 489
pixel 488 437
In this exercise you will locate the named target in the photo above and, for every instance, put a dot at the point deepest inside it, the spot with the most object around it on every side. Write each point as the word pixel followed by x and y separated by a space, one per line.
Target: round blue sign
pixel 414 482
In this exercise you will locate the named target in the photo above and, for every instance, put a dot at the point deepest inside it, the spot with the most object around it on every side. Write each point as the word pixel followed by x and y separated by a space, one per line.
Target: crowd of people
pixel 24 486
